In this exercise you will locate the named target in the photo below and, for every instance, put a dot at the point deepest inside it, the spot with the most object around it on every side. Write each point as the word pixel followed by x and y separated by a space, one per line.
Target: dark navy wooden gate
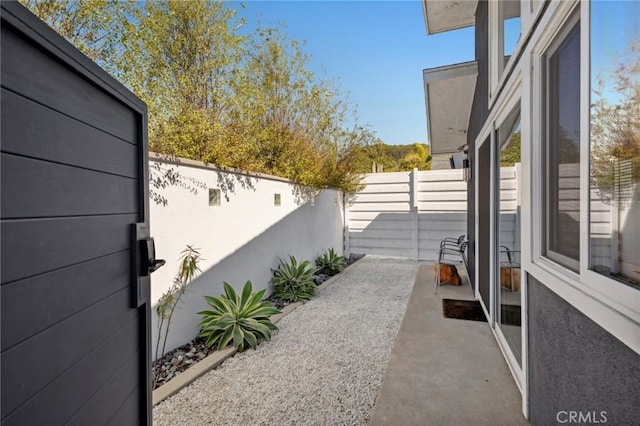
pixel 75 313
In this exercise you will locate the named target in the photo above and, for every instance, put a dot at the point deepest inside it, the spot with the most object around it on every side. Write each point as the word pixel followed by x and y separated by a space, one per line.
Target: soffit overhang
pixel 449 93
pixel 446 15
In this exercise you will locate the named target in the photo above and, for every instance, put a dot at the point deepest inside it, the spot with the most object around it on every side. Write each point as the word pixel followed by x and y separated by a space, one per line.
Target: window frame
pixel 556 257
pixel 608 302
pixel 624 297
pixel 530 11
pixel 512 102
pixel 499 71
pixel 511 96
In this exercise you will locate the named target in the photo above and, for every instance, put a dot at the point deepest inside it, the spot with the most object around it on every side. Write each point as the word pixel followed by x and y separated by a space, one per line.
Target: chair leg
pixel 466 267
pixel 464 260
pixel 511 277
pixel 438 276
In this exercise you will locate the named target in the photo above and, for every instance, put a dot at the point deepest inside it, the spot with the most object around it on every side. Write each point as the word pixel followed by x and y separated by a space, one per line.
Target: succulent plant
pixel 330 263
pixel 243 318
pixel 294 281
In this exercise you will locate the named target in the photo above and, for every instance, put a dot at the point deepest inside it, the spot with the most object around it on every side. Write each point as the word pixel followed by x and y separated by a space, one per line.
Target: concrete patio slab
pixel 445 371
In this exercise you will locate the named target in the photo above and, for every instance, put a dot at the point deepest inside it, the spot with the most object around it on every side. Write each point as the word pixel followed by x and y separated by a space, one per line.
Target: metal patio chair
pixel 512 262
pixel 454 242
pixel 451 252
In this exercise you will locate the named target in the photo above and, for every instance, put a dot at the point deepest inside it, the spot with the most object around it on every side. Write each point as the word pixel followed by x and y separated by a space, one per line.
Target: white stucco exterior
pixel 239 240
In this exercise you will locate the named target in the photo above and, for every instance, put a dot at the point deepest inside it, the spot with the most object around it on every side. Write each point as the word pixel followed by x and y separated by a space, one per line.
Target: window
pixel 510 16
pixel 507 225
pixel 276 200
pixel 504 35
pixel 584 224
pixel 614 151
pixel 214 197
pixel 561 148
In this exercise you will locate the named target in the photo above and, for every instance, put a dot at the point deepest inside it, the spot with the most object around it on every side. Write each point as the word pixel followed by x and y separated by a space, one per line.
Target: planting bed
pixel 324 367
pixel 180 359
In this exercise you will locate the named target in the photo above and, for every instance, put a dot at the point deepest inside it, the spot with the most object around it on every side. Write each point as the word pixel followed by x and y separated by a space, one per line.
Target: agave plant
pixel 330 263
pixel 293 281
pixel 242 317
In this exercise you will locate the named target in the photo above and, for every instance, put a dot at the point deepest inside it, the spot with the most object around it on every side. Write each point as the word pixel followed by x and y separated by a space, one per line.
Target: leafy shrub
pixel 330 263
pixel 293 281
pixel 242 317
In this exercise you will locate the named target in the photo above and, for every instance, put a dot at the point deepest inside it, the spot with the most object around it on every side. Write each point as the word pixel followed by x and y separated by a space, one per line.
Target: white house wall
pixel 239 240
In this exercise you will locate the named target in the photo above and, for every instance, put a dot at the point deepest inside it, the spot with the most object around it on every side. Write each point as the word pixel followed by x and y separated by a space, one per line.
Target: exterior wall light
pixel 466 169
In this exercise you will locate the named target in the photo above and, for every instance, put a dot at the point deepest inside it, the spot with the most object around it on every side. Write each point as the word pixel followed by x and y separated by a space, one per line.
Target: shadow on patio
pixel 445 371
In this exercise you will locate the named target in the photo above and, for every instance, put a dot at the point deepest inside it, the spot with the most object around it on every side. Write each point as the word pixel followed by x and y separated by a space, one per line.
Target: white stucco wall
pixel 239 240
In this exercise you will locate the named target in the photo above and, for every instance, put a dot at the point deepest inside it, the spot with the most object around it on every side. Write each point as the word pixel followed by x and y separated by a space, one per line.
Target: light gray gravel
pixel 323 367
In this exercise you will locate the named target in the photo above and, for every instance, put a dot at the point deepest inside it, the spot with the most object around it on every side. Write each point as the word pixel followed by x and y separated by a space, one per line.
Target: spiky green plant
pixel 243 318
pixel 330 263
pixel 187 270
pixel 293 281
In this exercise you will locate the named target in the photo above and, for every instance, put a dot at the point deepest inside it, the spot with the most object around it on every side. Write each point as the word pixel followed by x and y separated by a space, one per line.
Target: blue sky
pixel 377 51
pixel 613 30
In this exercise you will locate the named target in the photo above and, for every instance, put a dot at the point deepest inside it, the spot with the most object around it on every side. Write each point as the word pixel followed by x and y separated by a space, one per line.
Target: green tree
pixel 179 57
pixel 271 105
pixel 247 102
pixel 615 129
pixel 101 29
pixel 295 123
pixel 419 158
pixel 93 26
pixel 368 158
pixel 511 154
pixel 391 158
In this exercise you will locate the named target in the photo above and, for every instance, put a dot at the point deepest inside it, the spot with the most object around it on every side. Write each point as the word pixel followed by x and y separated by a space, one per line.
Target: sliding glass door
pixel 483 239
pixel 507 276
pixel 499 276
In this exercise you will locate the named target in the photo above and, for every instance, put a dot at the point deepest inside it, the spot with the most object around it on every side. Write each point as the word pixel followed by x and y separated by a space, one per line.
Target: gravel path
pixel 323 367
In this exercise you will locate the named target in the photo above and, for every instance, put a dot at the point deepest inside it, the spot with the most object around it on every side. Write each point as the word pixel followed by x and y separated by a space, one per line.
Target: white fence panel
pixel 380 219
pixel 442 209
pixel 407 214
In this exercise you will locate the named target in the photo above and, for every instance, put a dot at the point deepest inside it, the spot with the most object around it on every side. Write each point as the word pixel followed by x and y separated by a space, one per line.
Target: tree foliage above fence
pixel 93 26
pixel 511 154
pixel 390 158
pixel 615 129
pixel 236 101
